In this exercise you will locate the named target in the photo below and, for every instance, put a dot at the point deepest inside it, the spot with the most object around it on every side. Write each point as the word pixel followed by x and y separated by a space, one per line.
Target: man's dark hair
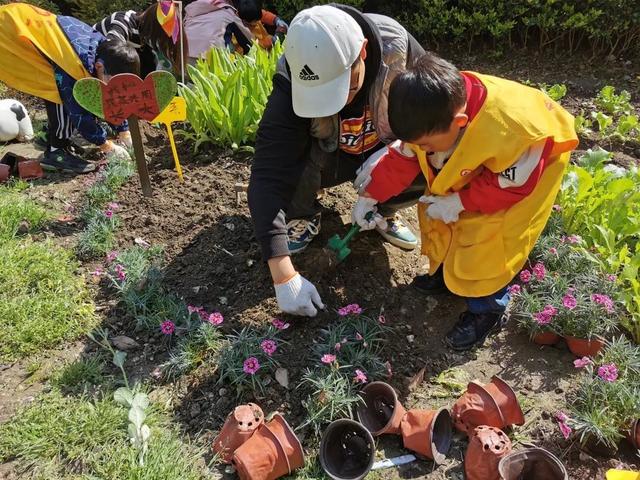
pixel 249 10
pixel 118 57
pixel 425 97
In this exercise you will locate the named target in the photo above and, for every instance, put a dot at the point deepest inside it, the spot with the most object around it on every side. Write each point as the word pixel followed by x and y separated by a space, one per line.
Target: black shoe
pixel 430 284
pixel 64 161
pixel 473 328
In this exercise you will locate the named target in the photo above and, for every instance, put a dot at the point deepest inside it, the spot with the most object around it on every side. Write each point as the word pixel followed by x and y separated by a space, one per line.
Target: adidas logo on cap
pixel 307 74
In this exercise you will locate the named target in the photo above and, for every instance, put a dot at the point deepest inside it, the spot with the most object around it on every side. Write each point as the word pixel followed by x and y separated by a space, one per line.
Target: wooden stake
pixel 141 161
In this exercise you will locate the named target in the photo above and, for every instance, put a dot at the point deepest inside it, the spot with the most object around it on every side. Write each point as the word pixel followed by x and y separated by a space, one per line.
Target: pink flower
pixel 251 365
pixel 98 272
pixel 360 377
pixel 557 208
pixel 550 310
pixel 120 273
pixel 359 337
pixel 542 318
pixel 113 206
pixel 381 319
pixel 215 318
pixel 603 300
pixel 269 347
pixel 562 420
pixel 328 358
pixel 203 314
pixel 193 309
pixel 525 276
pixel 337 346
pixel 539 271
pixel 573 239
pixel 279 324
pixel 608 372
pixel 514 289
pixel 582 362
pixel 108 213
pixel 167 327
pixel 111 256
pixel 389 371
pixel 352 309
pixel 569 301
pixel 612 278
pixel 553 250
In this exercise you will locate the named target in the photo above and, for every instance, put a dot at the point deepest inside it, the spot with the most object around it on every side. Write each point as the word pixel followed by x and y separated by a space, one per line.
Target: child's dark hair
pixel 249 10
pixel 118 56
pixel 425 97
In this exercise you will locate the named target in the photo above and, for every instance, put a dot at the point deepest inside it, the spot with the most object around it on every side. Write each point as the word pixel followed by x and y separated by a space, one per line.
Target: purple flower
pixel 514 289
pixel 525 276
pixel 113 206
pixel 562 420
pixel 381 319
pixel 215 318
pixel 251 365
pixel 361 377
pixel 167 327
pixel 603 300
pixel 193 309
pixel 111 256
pixel 108 213
pixel 582 362
pixel 574 239
pixel 352 309
pixel 569 301
pixel 553 250
pixel 98 272
pixel 120 272
pixel 542 318
pixel 337 346
pixel 539 271
pixel 279 324
pixel 269 347
pixel 550 310
pixel 608 372
pixel 328 358
pixel 612 278
pixel 389 370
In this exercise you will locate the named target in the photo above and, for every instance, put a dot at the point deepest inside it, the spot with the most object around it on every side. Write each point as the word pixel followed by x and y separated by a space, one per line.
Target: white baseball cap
pixel 322 44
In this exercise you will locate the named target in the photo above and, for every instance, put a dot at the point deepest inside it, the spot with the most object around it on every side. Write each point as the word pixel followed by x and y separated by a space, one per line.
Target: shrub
pixel 92 11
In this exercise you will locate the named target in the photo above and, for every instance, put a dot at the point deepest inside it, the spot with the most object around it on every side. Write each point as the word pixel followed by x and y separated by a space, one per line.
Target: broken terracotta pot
pixel 347 450
pixel 532 464
pixel 546 338
pixel 584 347
pixel 381 411
pixel 5 171
pixel 29 169
pixel 634 434
pixel 238 428
pixel 494 404
pixel 487 445
pixel 428 433
pixel 272 452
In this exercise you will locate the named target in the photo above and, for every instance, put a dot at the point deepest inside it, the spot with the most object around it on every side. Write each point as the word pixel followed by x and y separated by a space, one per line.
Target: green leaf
pixel 137 416
pixel 118 358
pixel 123 396
pixel 140 400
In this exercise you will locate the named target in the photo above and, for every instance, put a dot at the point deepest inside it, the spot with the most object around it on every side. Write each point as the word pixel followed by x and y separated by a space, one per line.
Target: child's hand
pixel 446 208
pixel 362 208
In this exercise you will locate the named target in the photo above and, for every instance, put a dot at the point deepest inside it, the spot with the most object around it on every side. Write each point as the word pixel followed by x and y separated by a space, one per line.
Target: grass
pixel 76 376
pixel 76 437
pixel 42 300
pixel 18 212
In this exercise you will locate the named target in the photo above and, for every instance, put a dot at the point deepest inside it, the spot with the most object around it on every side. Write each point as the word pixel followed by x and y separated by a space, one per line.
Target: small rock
pixel 559 390
pixel 222 300
pixel 585 458
pixel 229 226
pixel 195 410
pixel 282 376
pixel 124 343
pixel 250 263
pixel 222 392
pixel 410 338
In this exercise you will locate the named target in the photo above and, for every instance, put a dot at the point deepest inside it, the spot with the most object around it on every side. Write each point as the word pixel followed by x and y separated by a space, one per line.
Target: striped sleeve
pixel 122 25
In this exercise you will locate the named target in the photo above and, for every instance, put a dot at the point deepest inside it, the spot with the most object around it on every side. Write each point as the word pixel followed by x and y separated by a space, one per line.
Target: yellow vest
pixel 481 253
pixel 28 37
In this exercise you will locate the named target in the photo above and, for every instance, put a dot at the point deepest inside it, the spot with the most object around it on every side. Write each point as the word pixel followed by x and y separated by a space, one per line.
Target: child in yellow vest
pixel 493 152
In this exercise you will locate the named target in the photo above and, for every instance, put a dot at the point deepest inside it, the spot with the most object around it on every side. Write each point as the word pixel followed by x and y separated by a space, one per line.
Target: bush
pixel 92 11
pixel 45 4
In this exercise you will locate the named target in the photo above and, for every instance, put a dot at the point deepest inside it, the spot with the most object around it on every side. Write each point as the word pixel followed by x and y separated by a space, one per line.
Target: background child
pixel 493 153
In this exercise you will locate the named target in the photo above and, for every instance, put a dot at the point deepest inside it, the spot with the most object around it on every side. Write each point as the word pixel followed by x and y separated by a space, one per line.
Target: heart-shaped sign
pixel 126 95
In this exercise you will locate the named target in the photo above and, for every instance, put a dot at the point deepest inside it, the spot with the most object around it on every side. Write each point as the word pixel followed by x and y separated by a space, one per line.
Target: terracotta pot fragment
pixel 347 450
pixel 29 169
pixel 546 338
pixel 584 347
pixel 272 452
pixel 487 445
pixel 634 434
pixel 5 171
pixel 381 411
pixel 428 432
pixel 532 464
pixel 238 428
pixel 494 404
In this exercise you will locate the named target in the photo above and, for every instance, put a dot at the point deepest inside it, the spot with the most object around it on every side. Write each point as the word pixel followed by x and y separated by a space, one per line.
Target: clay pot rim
pixel 439 457
pixel 287 429
pixel 483 392
pixel 546 452
pixel 361 407
pixel 512 396
pixel 353 423
pixel 634 433
pixel 595 338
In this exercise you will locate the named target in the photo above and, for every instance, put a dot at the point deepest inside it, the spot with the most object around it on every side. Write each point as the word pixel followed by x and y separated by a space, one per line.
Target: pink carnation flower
pixel 337 346
pixel 557 208
pixel 251 366
pixel 582 362
pixel 279 324
pixel 603 300
pixel 612 278
pixel 542 318
pixel 608 372
pixel 328 358
pixel 514 289
pixel 120 273
pixel 525 276
pixel 562 420
pixel 539 271
pixel 215 318
pixel 111 256
pixel 569 301
pixel 550 310
pixel 269 347
pixel 108 213
pixel 361 377
pixel 359 337
pixel 553 250
pixel 98 272
pixel 381 319
pixel 193 309
pixel 167 327
pixel 352 309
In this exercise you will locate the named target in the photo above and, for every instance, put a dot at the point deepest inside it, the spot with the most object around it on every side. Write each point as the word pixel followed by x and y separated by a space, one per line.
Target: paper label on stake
pixel 176 111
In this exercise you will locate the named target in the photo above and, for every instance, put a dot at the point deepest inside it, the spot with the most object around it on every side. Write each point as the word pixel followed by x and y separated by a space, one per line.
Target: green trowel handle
pixel 353 230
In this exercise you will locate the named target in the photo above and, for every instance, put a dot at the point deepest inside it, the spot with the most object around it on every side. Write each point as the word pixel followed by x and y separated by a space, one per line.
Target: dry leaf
pixel 417 379
pixel 282 376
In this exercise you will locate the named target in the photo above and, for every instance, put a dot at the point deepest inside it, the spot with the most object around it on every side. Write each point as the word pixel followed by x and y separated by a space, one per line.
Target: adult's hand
pixel 298 296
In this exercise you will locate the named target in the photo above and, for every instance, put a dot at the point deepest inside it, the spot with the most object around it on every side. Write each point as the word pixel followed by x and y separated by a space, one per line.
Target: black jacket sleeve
pixel 282 150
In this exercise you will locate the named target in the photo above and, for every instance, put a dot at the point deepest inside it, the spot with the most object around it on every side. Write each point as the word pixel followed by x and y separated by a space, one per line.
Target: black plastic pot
pixel 347 450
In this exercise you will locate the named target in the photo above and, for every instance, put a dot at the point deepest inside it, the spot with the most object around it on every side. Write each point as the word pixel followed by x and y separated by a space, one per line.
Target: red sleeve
pixel 484 194
pixel 393 174
pixel 268 18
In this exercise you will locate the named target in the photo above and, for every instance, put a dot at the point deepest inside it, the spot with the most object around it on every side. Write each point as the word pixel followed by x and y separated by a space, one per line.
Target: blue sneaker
pixel 301 231
pixel 398 234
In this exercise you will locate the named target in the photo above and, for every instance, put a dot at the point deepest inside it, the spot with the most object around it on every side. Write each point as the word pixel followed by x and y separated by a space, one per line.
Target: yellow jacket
pixel 29 38
pixel 481 253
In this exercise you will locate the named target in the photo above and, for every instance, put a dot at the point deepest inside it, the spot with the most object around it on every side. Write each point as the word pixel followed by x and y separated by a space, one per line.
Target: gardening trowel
pixel 337 248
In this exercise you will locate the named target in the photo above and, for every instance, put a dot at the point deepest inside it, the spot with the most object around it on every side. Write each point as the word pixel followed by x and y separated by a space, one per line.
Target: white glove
pixel 363 206
pixel 446 208
pixel 363 174
pixel 113 151
pixel 298 296
pixel 124 139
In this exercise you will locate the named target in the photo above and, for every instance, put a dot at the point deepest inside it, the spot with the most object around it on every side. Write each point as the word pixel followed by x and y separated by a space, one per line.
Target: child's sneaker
pixel 472 329
pixel 301 231
pixel 398 234
pixel 64 161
